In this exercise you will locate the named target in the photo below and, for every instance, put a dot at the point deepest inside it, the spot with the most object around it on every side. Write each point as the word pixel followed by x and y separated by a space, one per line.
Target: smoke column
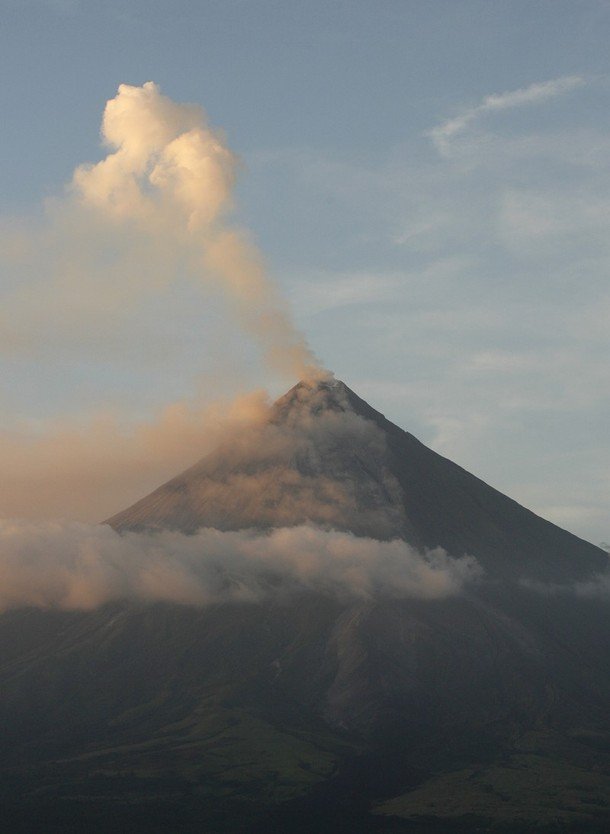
pixel 153 215
pixel 170 174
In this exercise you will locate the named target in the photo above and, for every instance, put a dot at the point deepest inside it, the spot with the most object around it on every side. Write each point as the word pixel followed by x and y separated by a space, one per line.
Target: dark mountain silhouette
pixel 486 710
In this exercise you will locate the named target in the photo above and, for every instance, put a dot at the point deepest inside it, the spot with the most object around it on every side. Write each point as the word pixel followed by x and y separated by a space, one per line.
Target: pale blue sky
pixel 446 253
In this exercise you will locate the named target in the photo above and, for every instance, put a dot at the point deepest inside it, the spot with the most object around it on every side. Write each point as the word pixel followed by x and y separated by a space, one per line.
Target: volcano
pixel 484 710
pixel 326 457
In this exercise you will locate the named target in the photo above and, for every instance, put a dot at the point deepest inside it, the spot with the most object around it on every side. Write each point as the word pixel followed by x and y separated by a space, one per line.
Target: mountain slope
pixel 325 456
pixel 486 710
pixel 233 713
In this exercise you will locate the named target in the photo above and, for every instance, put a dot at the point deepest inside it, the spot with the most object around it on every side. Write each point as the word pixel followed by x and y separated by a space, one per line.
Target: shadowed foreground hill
pixel 486 710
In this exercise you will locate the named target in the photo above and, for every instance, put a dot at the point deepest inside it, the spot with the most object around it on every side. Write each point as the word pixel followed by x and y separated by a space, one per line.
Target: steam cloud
pixel 172 175
pixel 155 210
pixel 78 566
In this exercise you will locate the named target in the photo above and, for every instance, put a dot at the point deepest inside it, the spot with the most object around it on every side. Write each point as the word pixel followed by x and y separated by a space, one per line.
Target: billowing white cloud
pixel 172 175
pixel 155 210
pixel 148 219
pixel 78 566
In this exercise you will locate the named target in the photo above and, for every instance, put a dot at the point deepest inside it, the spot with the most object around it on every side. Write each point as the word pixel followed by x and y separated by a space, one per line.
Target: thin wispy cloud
pixel 595 587
pixel 443 135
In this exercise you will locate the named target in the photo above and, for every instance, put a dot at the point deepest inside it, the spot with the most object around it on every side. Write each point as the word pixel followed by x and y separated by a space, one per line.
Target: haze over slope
pixel 325 456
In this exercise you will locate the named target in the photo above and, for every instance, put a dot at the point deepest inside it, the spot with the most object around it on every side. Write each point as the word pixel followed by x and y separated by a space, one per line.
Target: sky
pixel 428 184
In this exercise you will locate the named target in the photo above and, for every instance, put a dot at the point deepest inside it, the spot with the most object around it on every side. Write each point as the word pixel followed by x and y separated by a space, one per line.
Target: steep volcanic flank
pixel 325 456
pixel 483 710
pixel 316 459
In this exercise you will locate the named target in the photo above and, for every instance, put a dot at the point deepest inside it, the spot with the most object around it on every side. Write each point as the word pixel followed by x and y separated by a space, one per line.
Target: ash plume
pixel 154 212
pixel 172 175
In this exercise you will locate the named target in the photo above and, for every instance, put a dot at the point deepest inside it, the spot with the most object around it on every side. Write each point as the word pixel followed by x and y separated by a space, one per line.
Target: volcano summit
pixel 484 709
pixel 326 457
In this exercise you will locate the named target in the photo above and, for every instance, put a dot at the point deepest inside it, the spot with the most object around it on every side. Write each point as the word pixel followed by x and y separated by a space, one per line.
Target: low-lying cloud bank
pixel 70 565
pixel 596 587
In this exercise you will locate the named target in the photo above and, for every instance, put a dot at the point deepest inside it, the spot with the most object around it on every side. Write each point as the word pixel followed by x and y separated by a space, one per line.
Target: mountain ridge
pixel 322 438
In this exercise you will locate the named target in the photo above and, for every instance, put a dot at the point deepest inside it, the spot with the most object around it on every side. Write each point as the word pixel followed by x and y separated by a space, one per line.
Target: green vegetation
pixel 217 751
pixel 535 785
